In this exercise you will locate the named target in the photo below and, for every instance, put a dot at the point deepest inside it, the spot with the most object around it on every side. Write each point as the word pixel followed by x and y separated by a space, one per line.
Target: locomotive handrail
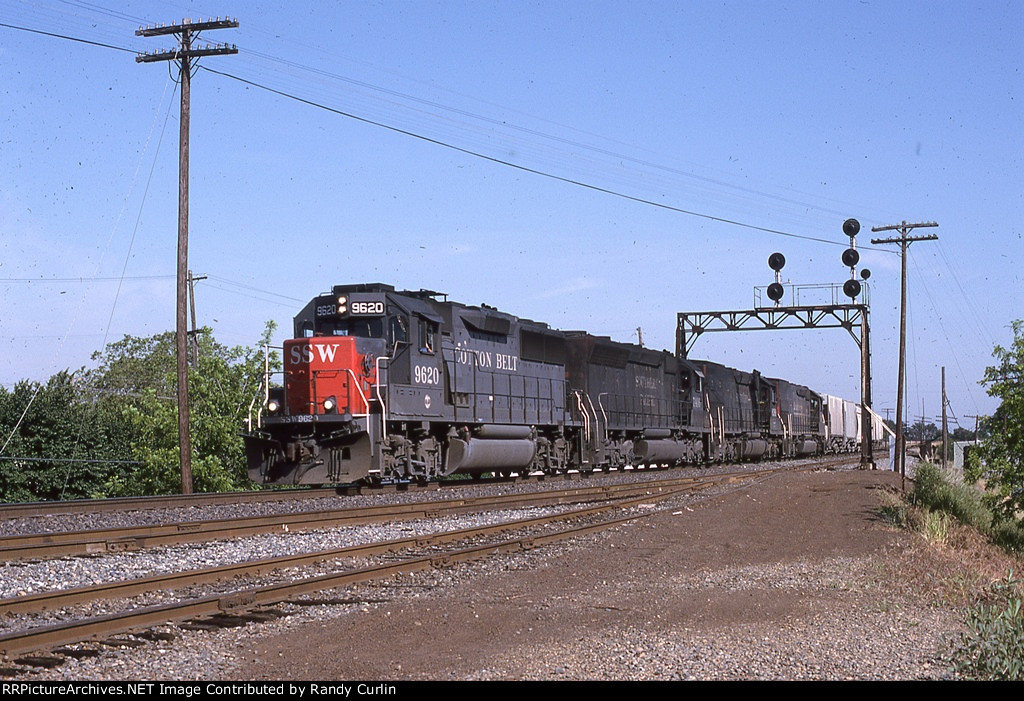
pixel 263 382
pixel 603 413
pixel 596 419
pixel 366 402
pixel 259 414
pixel 709 416
pixel 584 414
pixel 383 408
pixel 264 388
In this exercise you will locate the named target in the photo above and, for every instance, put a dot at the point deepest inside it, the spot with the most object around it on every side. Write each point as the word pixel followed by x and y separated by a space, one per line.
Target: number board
pixel 349 305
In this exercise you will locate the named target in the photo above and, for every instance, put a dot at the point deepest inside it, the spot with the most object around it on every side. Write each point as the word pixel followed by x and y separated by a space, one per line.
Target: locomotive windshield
pixel 364 327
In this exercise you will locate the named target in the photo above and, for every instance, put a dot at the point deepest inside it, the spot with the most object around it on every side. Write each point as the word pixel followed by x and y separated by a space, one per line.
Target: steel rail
pixel 122 539
pixel 168 501
pixel 59 598
pixel 172 501
pixel 48 637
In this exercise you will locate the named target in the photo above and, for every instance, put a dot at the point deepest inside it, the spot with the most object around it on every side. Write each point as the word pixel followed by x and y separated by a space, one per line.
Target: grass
pixel 968 564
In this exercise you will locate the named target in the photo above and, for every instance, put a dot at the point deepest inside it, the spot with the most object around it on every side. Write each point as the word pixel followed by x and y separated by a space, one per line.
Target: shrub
pixel 992 648
pixel 1008 535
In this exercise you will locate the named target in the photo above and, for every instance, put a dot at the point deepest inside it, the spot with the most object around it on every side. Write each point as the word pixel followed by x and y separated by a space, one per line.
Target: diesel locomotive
pixel 381 384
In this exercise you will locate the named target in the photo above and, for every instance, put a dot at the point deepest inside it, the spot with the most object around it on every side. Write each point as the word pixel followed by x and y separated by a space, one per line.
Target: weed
pixel 936 526
pixel 893 509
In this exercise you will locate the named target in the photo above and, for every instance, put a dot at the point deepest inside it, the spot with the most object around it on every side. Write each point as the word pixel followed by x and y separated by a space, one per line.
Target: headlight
pixel 329 404
pixel 273 406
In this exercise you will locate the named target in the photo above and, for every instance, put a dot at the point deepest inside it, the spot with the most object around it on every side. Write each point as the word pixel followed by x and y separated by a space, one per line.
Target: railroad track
pixel 129 538
pixel 48 545
pixel 172 501
pixel 175 501
pixel 168 501
pixel 417 554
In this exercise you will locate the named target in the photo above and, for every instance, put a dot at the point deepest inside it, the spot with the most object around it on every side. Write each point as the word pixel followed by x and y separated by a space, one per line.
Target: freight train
pixel 380 384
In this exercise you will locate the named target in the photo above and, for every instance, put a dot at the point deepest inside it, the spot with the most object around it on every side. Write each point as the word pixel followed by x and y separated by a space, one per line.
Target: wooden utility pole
pixel 945 425
pixel 186 32
pixel 194 332
pixel 904 240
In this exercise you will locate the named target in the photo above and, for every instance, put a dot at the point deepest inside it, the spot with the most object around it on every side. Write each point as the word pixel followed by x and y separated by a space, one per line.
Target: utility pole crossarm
pixel 905 229
pixel 186 25
pixel 176 54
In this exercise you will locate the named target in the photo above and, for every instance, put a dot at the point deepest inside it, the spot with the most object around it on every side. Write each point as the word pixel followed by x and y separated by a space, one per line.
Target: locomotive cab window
pixel 428 336
pixel 398 330
pixel 690 382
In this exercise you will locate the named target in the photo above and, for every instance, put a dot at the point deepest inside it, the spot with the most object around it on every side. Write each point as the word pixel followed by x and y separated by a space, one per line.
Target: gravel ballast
pixel 773 580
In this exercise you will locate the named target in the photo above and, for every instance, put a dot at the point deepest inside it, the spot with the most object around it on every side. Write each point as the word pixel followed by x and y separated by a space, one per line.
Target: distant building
pixel 960 449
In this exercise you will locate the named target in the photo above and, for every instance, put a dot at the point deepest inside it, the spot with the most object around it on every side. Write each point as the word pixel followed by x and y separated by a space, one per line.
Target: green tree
pixel 962 434
pixel 129 367
pixel 999 459
pixel 222 385
pixel 921 431
pixel 60 440
pixel 112 430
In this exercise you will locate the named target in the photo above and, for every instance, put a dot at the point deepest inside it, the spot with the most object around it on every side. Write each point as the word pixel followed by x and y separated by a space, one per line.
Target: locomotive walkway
pixel 773 580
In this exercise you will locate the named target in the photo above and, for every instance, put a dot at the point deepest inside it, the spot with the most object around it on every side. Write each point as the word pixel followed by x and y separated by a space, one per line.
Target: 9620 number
pixel 426 375
pixel 369 308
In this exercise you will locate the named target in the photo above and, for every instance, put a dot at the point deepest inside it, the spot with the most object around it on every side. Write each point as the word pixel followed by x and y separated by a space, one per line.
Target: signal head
pixel 850 257
pixel 851 288
pixel 776 261
pixel 775 292
pixel 851 227
pixel 865 273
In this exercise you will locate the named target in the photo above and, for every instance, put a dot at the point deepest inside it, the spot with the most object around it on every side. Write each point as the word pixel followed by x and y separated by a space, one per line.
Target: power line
pixel 256 289
pixel 84 279
pixel 477 154
pixel 527 169
pixel 69 38
pixel 75 460
pixel 504 124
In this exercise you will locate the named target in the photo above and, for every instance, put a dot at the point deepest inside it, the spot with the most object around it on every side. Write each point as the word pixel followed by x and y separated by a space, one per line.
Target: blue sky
pixel 790 117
